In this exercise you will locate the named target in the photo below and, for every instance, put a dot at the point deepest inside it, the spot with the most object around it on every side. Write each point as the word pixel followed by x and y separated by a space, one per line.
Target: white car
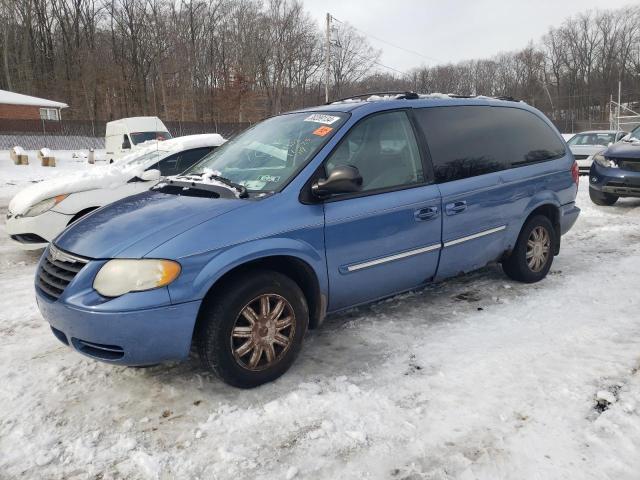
pixel 41 211
pixel 585 145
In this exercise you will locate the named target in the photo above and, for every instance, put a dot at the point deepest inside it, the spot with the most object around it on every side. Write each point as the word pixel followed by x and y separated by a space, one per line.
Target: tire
pixel 521 264
pixel 222 315
pixel 601 198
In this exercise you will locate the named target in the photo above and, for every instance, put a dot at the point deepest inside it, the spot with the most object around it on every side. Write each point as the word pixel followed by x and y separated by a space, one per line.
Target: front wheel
pixel 251 331
pixel 601 198
pixel 532 256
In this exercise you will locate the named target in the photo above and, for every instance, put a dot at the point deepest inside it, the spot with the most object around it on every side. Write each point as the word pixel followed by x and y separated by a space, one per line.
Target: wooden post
pixel 47 159
pixel 19 156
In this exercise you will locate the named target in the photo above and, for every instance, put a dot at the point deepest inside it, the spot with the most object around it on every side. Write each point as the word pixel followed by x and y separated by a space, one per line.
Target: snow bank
pixel 106 176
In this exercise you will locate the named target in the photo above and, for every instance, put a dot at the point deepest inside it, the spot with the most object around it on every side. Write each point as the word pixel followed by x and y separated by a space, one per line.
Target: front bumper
pixel 139 328
pixel 615 181
pixel 33 233
pixel 138 337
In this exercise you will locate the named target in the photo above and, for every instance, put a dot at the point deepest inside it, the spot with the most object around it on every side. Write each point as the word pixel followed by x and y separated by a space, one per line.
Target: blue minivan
pixel 304 214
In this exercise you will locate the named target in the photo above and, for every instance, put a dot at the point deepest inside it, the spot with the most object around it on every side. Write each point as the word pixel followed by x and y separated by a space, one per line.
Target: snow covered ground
pixel 474 378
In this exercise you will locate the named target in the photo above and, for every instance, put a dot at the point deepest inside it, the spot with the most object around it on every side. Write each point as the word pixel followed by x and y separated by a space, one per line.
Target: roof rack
pixel 405 95
pixel 507 98
pixel 401 95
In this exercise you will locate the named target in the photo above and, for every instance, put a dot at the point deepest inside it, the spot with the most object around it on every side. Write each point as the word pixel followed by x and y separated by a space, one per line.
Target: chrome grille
pixel 57 270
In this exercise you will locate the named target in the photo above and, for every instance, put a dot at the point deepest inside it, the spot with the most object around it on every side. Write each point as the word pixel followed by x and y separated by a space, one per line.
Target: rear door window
pixel 467 141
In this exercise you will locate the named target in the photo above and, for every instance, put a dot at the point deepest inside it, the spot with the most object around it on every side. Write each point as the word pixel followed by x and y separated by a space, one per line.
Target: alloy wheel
pixel 538 249
pixel 263 332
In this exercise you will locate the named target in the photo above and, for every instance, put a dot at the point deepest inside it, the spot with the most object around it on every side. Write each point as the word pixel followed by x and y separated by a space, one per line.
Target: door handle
pixel 456 207
pixel 426 213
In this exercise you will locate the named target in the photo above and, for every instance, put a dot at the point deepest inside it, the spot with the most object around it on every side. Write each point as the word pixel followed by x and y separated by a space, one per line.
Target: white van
pixel 124 135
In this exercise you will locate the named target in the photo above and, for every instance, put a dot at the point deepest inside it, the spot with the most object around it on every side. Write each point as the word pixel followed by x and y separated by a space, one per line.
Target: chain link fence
pixel 85 134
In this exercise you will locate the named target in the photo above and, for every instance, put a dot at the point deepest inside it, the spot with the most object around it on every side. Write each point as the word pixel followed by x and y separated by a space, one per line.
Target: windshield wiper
pixel 241 189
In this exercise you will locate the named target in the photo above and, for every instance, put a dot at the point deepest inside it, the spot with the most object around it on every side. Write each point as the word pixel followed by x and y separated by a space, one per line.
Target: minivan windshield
pixel 266 156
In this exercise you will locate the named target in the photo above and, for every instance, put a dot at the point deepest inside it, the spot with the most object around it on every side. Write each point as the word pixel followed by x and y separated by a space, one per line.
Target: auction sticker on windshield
pixel 322 131
pixel 320 118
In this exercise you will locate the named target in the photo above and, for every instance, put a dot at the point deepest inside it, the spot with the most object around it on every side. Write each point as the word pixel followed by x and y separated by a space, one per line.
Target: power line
pixel 375 62
pixel 426 57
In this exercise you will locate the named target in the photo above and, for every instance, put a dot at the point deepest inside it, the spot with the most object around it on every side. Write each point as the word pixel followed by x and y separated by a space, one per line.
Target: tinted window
pixel 179 162
pixel 190 158
pixel 384 150
pixel 475 140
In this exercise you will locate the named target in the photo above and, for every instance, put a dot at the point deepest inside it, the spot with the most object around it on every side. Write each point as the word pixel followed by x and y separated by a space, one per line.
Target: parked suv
pixel 585 145
pixel 615 172
pixel 304 214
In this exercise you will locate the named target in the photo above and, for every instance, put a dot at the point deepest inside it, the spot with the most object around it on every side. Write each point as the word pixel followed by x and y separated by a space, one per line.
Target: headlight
pixel 120 276
pixel 44 206
pixel 604 162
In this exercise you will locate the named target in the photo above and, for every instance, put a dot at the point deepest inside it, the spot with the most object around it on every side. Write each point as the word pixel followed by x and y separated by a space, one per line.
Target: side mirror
pixel 343 179
pixel 126 145
pixel 150 175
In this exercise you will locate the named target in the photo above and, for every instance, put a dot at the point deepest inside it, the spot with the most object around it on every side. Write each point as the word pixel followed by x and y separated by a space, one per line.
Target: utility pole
pixel 619 100
pixel 327 59
pixel 611 122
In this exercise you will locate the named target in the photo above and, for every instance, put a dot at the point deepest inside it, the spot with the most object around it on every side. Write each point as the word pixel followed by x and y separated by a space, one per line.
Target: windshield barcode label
pixel 319 118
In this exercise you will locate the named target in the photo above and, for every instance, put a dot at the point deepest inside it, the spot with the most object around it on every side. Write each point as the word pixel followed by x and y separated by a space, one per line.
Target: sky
pixel 449 31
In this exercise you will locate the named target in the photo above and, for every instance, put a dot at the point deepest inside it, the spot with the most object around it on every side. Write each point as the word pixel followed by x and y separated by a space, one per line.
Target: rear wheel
pixel 602 198
pixel 532 256
pixel 251 331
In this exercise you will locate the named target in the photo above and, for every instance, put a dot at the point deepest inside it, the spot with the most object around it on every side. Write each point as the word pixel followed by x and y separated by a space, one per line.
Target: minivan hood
pixel 135 225
pixel 623 150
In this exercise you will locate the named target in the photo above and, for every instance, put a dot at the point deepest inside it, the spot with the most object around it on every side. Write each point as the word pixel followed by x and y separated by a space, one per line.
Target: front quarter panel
pixel 274 226
pixel 201 272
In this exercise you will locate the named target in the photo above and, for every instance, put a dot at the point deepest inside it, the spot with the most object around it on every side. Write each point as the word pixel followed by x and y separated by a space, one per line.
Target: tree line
pixel 242 60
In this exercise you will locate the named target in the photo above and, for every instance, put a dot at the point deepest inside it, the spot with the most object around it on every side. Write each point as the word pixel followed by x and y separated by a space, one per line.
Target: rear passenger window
pixel 475 140
pixel 384 150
